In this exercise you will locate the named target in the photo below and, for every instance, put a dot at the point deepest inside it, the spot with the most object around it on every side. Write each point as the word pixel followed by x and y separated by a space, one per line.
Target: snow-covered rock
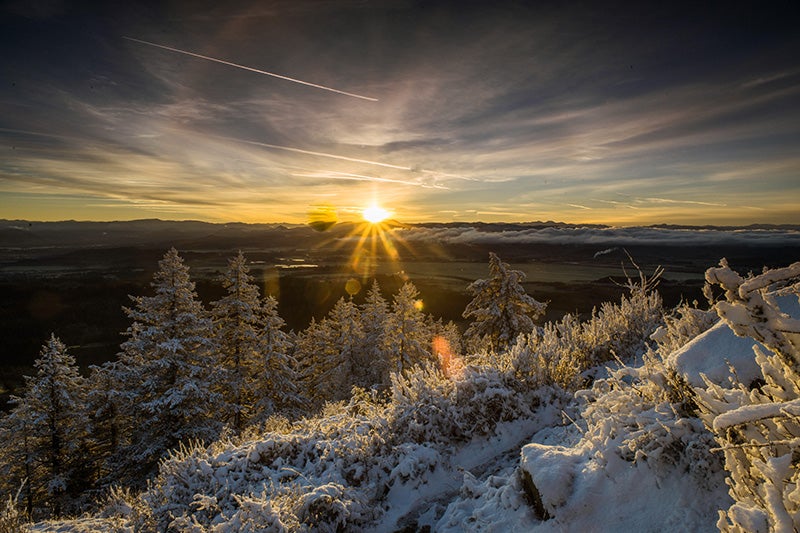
pixel 552 471
pixel 718 350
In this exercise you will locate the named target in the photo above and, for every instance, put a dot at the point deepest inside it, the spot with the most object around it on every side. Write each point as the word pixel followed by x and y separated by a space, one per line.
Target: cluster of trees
pixel 186 373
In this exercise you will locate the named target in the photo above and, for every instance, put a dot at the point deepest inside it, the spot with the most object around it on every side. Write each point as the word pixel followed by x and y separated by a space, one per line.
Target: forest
pixel 213 417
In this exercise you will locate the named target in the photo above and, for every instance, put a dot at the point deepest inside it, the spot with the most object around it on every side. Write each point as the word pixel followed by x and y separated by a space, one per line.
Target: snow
pixel 749 413
pixel 418 503
pixel 719 349
pixel 713 353
pixel 584 492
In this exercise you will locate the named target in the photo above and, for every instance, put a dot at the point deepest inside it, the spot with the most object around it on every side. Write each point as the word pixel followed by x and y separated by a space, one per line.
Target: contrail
pixel 332 174
pixel 345 158
pixel 287 78
pixel 352 159
pixel 319 154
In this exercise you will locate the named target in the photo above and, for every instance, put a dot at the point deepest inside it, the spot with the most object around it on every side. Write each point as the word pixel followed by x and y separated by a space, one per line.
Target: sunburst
pixel 375 214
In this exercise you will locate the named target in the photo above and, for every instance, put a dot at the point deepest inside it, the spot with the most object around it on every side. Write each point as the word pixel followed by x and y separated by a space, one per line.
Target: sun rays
pixel 372 243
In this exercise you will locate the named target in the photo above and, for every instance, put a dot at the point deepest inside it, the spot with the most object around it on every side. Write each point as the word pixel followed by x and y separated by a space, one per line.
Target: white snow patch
pixel 713 353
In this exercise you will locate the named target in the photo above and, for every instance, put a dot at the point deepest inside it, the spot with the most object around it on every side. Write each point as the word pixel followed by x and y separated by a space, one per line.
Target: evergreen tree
pixel 108 419
pixel 500 308
pixel 45 432
pixel 373 366
pixel 166 370
pixel 446 346
pixel 18 470
pixel 258 378
pixel 408 333
pixel 237 331
pixel 329 353
pixel 275 384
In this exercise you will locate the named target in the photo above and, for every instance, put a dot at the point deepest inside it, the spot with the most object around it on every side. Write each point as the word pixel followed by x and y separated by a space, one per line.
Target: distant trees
pixel 501 309
pixel 329 352
pixel 276 384
pixel 363 345
pixel 373 365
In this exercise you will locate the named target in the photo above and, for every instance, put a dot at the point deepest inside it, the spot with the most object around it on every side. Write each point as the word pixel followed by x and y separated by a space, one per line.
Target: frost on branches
pixel 562 351
pixel 44 435
pixel 165 369
pixel 256 377
pixel 757 425
pixel 500 309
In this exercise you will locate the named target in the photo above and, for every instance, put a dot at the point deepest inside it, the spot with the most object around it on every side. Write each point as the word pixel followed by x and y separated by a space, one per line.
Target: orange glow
pixel 449 363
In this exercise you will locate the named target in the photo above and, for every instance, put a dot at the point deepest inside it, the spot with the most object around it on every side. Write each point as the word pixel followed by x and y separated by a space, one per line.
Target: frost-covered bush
pixel 11 519
pixel 758 427
pixel 643 414
pixel 561 351
pixel 318 477
pixel 122 506
pixel 683 324
pixel 422 408
pixel 428 407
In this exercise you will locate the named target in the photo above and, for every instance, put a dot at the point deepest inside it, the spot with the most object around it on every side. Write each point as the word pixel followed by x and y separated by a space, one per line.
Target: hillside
pixel 517 441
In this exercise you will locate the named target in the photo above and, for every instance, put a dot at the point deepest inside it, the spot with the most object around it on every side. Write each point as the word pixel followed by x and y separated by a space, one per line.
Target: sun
pixel 375 214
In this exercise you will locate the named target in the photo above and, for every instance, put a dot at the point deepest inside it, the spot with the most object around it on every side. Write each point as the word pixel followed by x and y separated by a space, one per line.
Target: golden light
pixel 375 214
pixel 374 241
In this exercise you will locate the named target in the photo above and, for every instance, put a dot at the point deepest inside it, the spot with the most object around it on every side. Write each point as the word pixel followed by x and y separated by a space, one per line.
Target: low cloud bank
pixel 606 236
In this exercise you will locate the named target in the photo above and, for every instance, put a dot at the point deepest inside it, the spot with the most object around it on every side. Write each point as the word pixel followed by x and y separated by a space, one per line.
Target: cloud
pixel 515 112
pixel 609 237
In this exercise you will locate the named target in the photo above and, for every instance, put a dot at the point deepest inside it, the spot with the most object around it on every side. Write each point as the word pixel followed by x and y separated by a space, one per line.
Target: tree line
pixel 187 373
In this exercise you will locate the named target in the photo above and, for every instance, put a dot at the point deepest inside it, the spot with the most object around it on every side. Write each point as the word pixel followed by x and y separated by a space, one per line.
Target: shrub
pixel 758 428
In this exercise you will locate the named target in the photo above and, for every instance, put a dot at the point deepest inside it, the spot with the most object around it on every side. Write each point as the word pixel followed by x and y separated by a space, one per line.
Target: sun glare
pixel 375 214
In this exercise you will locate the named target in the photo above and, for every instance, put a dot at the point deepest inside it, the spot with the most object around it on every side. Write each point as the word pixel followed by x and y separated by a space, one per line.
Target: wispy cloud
pixel 685 202
pixel 513 114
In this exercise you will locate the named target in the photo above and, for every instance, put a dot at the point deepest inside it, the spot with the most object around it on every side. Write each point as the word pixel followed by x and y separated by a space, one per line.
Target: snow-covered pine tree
pixel 44 433
pixel 408 332
pixel 17 469
pixel 373 363
pixel 329 349
pixel 166 371
pixel 237 326
pixel 108 418
pixel 446 347
pixel 275 387
pixel 500 309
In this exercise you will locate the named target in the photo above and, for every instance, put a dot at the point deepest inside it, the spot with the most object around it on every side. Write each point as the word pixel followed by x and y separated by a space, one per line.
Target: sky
pixel 592 112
